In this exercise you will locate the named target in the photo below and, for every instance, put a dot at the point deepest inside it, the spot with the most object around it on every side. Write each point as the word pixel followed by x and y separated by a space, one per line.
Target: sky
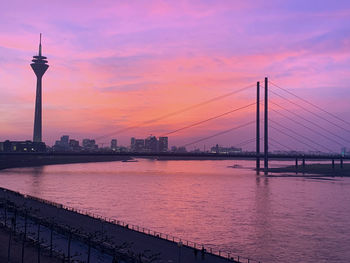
pixel 119 64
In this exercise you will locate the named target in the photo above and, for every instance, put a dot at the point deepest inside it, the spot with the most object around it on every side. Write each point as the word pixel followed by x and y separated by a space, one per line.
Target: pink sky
pixel 115 64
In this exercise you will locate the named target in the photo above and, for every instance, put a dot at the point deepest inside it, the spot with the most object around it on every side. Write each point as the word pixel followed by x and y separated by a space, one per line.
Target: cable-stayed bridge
pixel 288 119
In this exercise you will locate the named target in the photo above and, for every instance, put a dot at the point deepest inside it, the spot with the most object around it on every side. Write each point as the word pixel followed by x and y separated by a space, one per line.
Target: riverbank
pixel 114 237
pixel 318 169
pixel 31 160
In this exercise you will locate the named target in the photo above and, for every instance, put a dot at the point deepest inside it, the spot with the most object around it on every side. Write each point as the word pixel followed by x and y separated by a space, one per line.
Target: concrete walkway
pixel 30 251
pixel 138 242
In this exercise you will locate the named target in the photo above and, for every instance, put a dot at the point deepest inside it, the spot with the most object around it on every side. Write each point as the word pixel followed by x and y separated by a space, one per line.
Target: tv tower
pixel 39 67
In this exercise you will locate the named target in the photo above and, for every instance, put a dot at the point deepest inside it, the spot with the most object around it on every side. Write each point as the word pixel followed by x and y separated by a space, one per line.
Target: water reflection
pixel 270 219
pixel 36 174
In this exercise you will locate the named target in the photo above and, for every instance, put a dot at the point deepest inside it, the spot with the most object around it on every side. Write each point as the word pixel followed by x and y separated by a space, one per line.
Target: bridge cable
pixel 176 112
pixel 209 119
pixel 275 141
pixel 315 124
pixel 313 113
pixel 220 133
pixel 306 127
pixel 245 142
pixel 296 139
pixel 300 135
pixel 310 103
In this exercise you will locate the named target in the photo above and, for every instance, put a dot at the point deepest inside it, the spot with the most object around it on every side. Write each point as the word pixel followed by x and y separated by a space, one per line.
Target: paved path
pixel 139 242
pixel 30 251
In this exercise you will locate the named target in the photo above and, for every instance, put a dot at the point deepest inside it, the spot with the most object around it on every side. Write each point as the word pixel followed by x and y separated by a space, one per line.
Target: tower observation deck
pixel 39 67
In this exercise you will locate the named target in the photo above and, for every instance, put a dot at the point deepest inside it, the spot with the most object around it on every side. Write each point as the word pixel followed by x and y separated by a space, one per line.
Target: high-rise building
pixel 151 144
pixel 74 145
pixel 139 145
pixel 39 67
pixel 65 139
pixel 62 144
pixel 114 144
pixel 89 145
pixel 163 144
pixel 132 144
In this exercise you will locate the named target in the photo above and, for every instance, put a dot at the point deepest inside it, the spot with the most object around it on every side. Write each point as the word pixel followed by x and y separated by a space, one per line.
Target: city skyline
pixel 111 79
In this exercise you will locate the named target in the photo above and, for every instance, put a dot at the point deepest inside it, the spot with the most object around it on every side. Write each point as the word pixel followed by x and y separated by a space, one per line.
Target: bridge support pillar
pixel 266 136
pixel 258 127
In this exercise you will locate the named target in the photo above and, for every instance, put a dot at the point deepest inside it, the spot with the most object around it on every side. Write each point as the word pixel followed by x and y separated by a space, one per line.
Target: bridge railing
pixel 201 248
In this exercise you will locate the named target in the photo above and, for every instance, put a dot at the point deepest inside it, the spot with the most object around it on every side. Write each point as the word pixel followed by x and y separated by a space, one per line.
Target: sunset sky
pixel 115 64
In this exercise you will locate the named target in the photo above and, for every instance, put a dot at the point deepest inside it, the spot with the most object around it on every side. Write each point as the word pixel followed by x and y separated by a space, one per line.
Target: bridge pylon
pixel 258 127
pixel 266 130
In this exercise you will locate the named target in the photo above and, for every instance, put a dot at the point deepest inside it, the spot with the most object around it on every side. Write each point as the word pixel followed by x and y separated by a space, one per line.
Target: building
pixel 151 144
pixel 74 145
pixel 89 145
pixel 39 67
pixel 114 144
pixel 22 146
pixel 65 140
pixel 132 143
pixel 62 145
pixel 221 149
pixel 181 149
pixel 163 144
pixel 139 145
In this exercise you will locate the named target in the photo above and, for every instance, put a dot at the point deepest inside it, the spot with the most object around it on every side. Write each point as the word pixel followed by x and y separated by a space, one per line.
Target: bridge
pixel 316 139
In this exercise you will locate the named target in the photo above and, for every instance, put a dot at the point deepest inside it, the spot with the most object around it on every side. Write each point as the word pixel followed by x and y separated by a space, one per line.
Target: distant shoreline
pixel 325 170
pixel 15 161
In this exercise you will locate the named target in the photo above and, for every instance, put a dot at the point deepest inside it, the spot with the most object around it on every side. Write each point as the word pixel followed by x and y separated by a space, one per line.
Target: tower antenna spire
pixel 40 46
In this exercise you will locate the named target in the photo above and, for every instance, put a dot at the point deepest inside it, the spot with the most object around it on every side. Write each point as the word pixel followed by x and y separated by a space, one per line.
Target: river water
pixel 271 219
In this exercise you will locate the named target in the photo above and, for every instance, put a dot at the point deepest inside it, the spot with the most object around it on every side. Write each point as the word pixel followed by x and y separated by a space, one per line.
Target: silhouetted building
pixel 221 149
pixel 139 145
pixel 89 145
pixel 39 66
pixel 62 145
pixel 74 145
pixel 114 144
pixel 163 144
pixel 65 139
pixel 22 146
pixel 132 143
pixel 151 144
pixel 180 149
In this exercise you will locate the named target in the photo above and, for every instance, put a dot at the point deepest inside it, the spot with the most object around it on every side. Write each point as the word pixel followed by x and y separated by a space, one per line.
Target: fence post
pixel 14 221
pixel 89 250
pixel 51 236
pixel 6 214
pixel 39 242
pixel 24 236
pixel 69 242
pixel 9 247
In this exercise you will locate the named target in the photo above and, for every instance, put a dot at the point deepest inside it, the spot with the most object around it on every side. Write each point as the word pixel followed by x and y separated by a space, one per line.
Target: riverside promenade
pixel 123 242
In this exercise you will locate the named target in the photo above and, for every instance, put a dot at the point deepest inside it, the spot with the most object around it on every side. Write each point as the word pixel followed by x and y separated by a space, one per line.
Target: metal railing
pixel 231 256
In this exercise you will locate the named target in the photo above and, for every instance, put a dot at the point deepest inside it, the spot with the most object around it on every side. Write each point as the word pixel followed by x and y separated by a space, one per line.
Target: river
pixel 271 219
